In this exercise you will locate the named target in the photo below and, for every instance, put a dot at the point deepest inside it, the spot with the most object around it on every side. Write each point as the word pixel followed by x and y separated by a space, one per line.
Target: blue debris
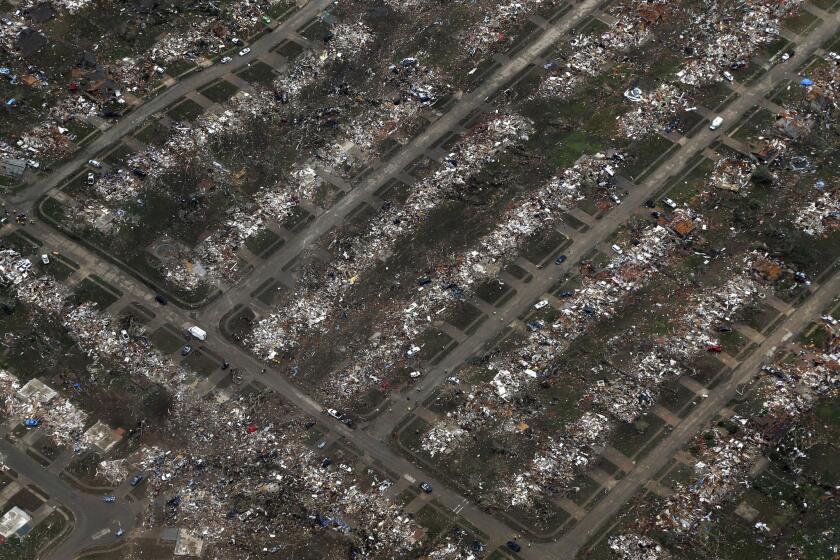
pixel 806 82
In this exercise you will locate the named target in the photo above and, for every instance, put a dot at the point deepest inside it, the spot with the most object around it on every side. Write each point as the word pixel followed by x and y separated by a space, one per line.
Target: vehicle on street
pixel 137 479
pixel 91 178
pixel 514 546
pixel 95 163
pixel 426 487
pixel 716 122
pixel 109 499
pixel 160 299
pixel 198 333
pixel 45 258
pixel 560 260
pixel 334 413
pixel 186 350
pixel 31 423
pixel 244 51
pixel 225 60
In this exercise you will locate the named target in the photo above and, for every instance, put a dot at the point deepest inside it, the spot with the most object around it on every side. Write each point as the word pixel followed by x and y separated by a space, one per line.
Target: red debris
pixel 251 428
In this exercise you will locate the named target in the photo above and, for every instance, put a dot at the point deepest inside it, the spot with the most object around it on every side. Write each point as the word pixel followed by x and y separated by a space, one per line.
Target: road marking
pixel 409 478
pixel 100 534
pixel 459 507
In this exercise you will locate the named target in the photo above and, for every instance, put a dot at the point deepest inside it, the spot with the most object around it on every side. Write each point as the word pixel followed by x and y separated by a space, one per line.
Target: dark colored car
pixel 560 260
pixel 137 479
pixel 426 487
pixel 514 546
pixel 160 299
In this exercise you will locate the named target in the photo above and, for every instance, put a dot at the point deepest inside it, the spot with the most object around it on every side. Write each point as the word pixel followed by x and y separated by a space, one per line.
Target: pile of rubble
pixel 727 34
pixel 653 109
pixel 824 94
pixel 59 418
pixel 789 390
pixel 456 279
pixel 349 40
pixel 70 6
pixel 497 24
pixel 731 174
pixel 358 253
pixel 589 55
pixel 723 464
pixel 821 216
pixel 597 298
pixel 625 398
pixel 102 341
pixel 94 331
pixel 628 546
pixel 245 476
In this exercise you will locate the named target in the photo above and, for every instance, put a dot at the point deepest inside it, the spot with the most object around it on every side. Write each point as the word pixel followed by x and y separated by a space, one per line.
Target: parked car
pixel 109 499
pixel 514 546
pixel 560 260
pixel 426 487
pixel 139 172
pixel 95 163
pixel 716 122
pixel 91 178
pixel 334 413
pixel 45 258
pixel 714 348
pixel 137 479
pixel 160 299
pixel 31 422
pixel 225 60
pixel 244 51
pixel 186 350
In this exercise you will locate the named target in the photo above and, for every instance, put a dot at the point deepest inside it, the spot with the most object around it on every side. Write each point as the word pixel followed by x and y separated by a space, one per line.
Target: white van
pixel 716 123
pixel 198 333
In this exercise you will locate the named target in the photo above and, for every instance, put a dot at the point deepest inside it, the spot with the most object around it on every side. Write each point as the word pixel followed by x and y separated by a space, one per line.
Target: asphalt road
pixel 577 537
pixel 145 111
pixel 90 512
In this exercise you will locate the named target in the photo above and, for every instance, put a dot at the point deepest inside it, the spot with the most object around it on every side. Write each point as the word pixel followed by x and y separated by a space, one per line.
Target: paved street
pixel 90 512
